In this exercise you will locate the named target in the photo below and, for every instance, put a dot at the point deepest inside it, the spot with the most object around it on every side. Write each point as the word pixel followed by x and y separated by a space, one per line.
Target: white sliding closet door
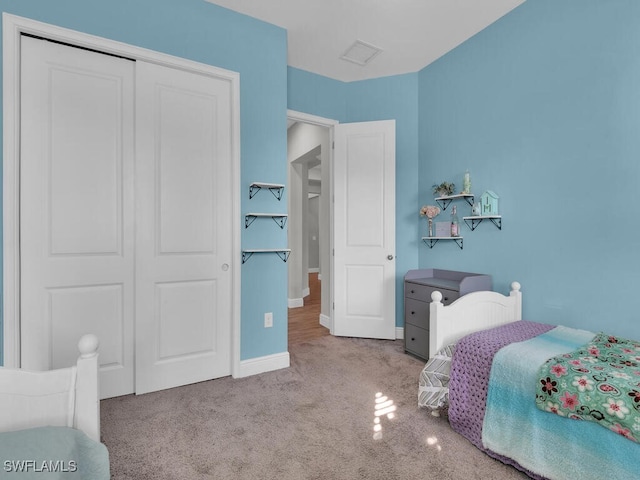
pixel 183 190
pixel 76 209
pixel 125 225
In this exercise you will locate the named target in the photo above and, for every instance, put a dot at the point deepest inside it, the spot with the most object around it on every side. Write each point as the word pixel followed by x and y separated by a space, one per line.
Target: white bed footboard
pixel 471 313
pixel 63 397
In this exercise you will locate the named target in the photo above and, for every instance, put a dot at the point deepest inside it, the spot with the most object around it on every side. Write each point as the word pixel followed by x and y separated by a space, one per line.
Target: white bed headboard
pixel 62 397
pixel 470 313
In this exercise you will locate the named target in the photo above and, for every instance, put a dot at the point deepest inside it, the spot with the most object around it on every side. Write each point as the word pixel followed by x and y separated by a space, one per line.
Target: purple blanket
pixel 470 368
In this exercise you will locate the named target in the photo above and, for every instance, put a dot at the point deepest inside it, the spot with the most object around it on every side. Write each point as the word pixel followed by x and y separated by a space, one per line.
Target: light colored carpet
pixel 314 420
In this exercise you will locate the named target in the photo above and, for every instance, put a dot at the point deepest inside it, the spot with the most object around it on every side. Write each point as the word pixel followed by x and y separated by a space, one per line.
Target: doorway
pixel 304 322
pixel 358 229
pixel 309 228
pixel 304 318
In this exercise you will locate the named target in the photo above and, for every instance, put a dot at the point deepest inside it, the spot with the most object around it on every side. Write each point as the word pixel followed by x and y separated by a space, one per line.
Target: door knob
pixel 225 267
pixel 389 257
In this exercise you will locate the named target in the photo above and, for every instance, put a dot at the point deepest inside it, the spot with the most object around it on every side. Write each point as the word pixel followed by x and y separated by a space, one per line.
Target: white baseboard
pixel 254 366
pixel 306 292
pixel 325 321
pixel 399 333
pixel 313 270
pixel 295 302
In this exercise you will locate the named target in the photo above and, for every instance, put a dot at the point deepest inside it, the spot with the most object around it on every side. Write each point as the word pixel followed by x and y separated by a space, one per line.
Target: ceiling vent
pixel 360 53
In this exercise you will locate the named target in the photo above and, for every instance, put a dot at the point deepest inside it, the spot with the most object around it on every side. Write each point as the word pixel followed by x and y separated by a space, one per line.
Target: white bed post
pixel 435 311
pixel 516 294
pixel 87 412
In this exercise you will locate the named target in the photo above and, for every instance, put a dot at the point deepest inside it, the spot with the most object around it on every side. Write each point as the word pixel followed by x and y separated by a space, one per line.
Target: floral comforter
pixel 599 381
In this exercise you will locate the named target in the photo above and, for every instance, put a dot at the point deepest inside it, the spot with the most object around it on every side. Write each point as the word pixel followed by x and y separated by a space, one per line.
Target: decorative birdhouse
pixel 489 203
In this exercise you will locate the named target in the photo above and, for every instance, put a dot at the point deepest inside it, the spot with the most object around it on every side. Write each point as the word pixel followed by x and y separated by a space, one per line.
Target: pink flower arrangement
pixel 429 211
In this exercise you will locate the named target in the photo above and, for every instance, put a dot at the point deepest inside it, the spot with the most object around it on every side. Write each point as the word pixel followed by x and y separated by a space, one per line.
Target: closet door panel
pixel 183 246
pixel 185 172
pixel 76 209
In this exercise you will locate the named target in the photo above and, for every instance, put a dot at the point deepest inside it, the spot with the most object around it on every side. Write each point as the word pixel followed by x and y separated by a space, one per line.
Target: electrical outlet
pixel 268 320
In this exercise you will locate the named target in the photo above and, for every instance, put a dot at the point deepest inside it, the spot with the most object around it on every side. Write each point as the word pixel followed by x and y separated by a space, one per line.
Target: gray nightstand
pixel 418 286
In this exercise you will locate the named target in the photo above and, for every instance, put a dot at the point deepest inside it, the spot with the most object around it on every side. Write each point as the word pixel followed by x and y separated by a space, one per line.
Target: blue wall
pixel 543 107
pixel 316 95
pixel 379 99
pixel 203 32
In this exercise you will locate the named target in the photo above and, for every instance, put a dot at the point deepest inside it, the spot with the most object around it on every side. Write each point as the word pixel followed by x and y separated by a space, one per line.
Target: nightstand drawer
pixel 416 341
pixel 416 313
pixel 417 291
pixel 423 292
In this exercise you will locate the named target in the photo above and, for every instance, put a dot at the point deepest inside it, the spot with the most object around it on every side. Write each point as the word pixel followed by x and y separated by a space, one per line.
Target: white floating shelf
pixel 279 218
pixel 431 241
pixel 473 222
pixel 275 188
pixel 283 253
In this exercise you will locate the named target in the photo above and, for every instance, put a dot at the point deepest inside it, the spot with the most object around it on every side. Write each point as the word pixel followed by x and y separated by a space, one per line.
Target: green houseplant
pixel 444 189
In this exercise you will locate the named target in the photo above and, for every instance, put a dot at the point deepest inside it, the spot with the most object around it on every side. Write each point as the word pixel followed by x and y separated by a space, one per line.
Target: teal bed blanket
pixel 48 453
pixel 548 445
pixel 598 382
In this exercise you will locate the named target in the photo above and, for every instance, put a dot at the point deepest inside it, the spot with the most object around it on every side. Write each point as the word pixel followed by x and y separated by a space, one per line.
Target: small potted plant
pixel 444 189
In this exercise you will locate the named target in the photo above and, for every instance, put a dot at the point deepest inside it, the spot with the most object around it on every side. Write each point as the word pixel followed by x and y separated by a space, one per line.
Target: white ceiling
pixel 411 33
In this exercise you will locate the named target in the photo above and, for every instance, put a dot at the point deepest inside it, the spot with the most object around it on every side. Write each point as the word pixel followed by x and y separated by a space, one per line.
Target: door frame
pixel 13 26
pixel 325 320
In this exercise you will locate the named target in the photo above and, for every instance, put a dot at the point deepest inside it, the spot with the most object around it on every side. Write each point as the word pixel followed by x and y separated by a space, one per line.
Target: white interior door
pixel 184 248
pixel 364 230
pixel 76 209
